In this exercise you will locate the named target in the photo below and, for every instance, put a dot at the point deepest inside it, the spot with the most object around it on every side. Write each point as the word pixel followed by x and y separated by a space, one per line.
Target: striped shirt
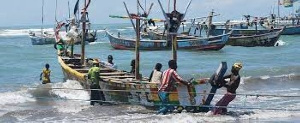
pixel 169 78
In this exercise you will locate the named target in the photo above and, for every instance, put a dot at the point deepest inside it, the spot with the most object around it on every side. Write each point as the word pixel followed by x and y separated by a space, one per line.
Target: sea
pixel 269 89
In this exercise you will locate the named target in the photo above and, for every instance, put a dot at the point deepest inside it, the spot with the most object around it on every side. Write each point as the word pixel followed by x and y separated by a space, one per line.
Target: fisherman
pixel 110 62
pixel 231 86
pixel 45 75
pixel 60 46
pixel 132 64
pixel 97 96
pixel 155 76
pixel 169 80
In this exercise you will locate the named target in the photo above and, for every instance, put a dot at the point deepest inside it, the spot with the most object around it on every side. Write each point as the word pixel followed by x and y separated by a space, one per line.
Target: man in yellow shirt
pixel 45 75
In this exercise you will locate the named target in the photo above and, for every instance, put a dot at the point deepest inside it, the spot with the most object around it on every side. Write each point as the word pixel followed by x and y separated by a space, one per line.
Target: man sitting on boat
pixel 110 62
pixel 156 74
pixel 45 75
pixel 132 64
pixel 169 80
pixel 97 95
pixel 231 86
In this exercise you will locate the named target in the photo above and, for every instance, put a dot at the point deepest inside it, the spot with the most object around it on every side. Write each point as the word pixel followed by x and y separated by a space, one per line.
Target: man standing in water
pixel 94 78
pixel 231 86
pixel 169 79
pixel 45 75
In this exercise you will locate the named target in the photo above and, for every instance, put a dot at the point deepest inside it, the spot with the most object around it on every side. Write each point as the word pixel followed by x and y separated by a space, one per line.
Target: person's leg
pixel 227 98
pixel 92 95
pixel 100 95
pixel 164 97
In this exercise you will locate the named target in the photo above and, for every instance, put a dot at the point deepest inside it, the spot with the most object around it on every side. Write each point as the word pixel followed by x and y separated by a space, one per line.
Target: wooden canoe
pixel 120 86
pixel 191 43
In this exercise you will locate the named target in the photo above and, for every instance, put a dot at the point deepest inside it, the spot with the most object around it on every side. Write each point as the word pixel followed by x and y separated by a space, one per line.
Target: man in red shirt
pixel 169 80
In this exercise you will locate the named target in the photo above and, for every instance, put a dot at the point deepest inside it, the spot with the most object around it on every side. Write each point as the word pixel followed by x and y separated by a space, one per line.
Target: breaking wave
pixel 291 76
pixel 21 32
pixel 280 43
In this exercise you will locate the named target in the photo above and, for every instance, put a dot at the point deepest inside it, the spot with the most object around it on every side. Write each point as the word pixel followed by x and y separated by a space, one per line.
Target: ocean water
pixel 266 71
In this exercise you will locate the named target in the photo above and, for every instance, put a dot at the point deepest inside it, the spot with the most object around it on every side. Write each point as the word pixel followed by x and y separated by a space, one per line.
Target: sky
pixel 29 12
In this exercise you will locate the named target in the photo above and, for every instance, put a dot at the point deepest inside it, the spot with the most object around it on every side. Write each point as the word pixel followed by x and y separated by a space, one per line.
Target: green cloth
pixel 94 75
pixel 60 47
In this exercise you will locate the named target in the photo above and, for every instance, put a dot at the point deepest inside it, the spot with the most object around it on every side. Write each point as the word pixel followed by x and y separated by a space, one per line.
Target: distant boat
pixel 252 38
pixel 43 37
pixel 191 43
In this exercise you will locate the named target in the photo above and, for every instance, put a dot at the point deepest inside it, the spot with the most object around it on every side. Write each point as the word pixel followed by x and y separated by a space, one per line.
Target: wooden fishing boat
pixel 291 30
pixel 252 38
pixel 41 39
pixel 121 87
pixel 188 42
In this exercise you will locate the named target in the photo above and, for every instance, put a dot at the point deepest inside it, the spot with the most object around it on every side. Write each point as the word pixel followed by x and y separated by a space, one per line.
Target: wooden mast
pixel 83 20
pixel 173 20
pixel 137 46
pixel 42 28
pixel 174 38
pixel 210 16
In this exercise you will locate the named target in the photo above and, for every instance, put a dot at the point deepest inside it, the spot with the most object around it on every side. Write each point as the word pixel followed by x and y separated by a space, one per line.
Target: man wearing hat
pixel 231 85
pixel 94 78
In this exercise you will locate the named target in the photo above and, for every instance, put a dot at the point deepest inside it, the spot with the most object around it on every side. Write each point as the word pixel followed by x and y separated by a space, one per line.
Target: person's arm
pixel 150 77
pixel 179 79
pixel 89 74
pixel 231 82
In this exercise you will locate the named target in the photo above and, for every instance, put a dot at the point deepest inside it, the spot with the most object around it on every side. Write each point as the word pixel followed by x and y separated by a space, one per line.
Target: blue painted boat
pixel 192 43
pixel 291 30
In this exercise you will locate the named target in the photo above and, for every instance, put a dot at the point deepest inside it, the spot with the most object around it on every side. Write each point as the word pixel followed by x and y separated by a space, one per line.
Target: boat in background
pixel 267 39
pixel 44 37
pixel 187 43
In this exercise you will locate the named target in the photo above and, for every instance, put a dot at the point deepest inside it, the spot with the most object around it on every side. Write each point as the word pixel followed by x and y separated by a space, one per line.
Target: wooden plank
pixel 112 74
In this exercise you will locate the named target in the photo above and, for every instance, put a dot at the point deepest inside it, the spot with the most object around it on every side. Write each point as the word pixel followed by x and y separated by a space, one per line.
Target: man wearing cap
pixel 94 78
pixel 231 86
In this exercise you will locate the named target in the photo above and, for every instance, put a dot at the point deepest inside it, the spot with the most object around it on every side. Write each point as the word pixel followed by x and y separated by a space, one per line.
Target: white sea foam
pixel 78 97
pixel 16 97
pixel 68 93
pixel 93 43
pixel 280 43
pixel 100 30
pixel 265 77
pixel 22 32
pixel 121 29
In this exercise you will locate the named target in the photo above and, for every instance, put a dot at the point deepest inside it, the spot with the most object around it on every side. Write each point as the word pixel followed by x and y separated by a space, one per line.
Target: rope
pixel 202 94
pixel 201 106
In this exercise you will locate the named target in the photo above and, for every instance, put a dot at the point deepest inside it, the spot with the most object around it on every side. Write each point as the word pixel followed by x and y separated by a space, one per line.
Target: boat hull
pixel 251 38
pixel 40 40
pixel 121 87
pixel 291 30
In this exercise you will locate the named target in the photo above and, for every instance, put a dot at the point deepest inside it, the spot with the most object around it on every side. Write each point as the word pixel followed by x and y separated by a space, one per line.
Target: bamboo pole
pixel 174 46
pixel 83 35
pixel 137 51
pixel 137 45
